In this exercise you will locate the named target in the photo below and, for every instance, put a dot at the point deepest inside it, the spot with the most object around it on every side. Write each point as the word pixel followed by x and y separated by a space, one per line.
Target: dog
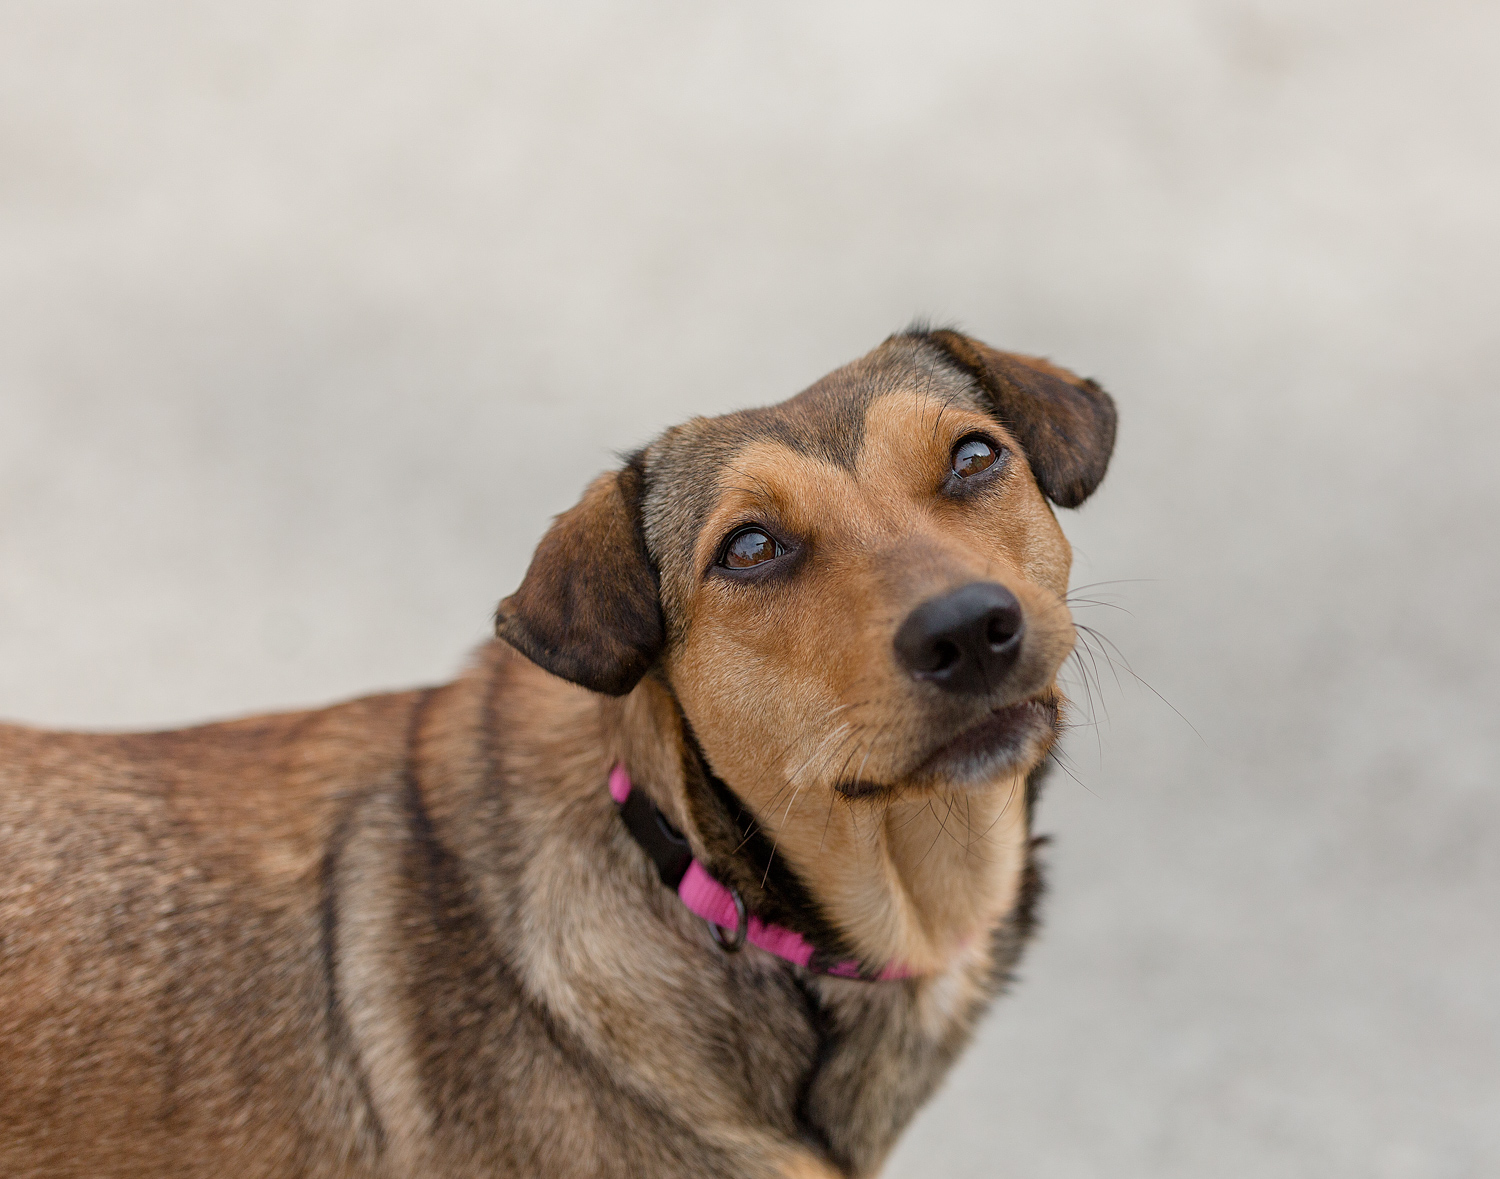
pixel 706 866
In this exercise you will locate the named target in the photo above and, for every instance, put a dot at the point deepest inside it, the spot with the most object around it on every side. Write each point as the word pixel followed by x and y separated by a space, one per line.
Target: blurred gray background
pixel 312 313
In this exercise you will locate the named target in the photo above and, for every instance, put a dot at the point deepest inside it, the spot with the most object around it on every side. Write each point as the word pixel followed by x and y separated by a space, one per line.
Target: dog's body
pixel 409 935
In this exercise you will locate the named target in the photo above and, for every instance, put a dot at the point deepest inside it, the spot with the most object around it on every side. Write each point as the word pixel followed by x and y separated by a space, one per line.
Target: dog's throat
pixel 719 904
pixel 739 854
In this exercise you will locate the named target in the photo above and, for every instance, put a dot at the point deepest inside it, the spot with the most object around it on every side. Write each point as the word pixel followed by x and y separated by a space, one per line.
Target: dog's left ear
pixel 1065 424
pixel 588 609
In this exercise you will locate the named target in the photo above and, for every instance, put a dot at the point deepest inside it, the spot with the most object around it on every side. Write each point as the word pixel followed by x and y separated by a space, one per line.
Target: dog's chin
pixel 1008 740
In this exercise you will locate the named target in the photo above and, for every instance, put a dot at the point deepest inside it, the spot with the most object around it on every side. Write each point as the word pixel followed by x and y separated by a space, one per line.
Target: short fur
pixel 409 935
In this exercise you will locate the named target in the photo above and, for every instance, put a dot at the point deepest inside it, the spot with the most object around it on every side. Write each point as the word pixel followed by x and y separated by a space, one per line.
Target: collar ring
pixel 734 943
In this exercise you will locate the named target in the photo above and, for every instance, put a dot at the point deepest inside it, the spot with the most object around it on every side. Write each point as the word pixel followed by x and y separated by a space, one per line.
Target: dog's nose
pixel 964 641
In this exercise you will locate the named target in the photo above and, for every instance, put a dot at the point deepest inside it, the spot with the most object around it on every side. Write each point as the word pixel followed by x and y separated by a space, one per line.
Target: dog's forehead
pixel 825 422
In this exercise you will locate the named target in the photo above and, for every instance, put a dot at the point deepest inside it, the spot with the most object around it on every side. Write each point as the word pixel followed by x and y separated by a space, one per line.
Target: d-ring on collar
pixel 722 907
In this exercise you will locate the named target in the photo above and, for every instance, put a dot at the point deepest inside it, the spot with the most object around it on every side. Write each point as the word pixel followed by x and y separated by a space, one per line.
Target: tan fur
pixel 804 1166
pixel 933 872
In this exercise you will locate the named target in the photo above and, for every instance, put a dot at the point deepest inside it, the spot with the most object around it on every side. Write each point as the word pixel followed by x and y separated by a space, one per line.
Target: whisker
pixel 1095 602
pixel 1118 581
pixel 936 837
pixel 849 740
pixel 833 797
pixel 1058 759
pixel 1094 641
pixel 1107 645
pixel 1010 798
pixel 1096 695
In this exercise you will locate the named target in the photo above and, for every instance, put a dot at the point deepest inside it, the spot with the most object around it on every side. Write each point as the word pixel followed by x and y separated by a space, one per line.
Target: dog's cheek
pixel 760 691
pixel 1050 640
pixel 1022 538
pixel 1046 556
pixel 722 684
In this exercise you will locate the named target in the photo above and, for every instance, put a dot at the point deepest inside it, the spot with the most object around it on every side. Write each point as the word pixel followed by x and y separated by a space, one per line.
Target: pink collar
pixel 721 907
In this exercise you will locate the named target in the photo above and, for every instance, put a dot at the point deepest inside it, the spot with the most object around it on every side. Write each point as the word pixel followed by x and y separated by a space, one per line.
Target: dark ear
pixel 1065 423
pixel 587 609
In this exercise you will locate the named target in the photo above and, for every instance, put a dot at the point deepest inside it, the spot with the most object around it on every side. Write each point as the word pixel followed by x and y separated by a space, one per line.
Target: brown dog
pixel 411 936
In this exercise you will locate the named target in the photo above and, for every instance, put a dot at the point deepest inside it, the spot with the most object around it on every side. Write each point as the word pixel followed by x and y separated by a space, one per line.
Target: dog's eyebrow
pixel 763 488
pixel 825 422
pixel 686 474
pixel 828 425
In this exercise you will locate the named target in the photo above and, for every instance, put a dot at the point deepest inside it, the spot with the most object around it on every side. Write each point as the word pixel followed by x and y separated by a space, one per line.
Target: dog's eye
pixel 972 455
pixel 747 547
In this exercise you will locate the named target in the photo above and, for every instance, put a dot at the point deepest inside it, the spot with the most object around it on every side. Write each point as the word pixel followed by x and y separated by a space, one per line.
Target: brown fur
pixel 409 935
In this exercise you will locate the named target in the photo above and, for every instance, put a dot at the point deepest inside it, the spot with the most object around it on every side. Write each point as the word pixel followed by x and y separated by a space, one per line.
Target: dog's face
pixel 859 591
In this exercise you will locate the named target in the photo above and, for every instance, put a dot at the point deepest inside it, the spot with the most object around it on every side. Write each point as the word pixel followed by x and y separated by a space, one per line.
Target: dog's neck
pixel 946 865
pixel 916 880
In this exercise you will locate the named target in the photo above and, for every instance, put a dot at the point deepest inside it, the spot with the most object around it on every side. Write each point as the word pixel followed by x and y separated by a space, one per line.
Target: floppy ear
pixel 1065 423
pixel 588 609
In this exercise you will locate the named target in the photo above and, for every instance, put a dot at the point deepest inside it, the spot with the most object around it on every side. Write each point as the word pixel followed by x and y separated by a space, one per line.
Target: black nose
pixel 964 641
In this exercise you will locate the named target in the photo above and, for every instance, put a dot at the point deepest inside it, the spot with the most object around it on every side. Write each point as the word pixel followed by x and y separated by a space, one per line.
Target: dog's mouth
pixel 1005 738
pixel 1016 735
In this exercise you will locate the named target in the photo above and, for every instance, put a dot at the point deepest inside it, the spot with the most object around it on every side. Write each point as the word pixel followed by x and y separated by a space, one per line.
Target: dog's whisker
pixel 1093 642
pixel 849 734
pixel 1118 581
pixel 1059 759
pixel 769 859
pixel 908 820
pixel 830 736
pixel 794 740
pixel 1085 683
pixel 1092 692
pixel 843 769
pixel 1106 646
pixel 1091 602
pixel 1009 798
pixel 786 818
pixel 844 733
pixel 952 802
pixel 936 837
pixel 869 749
pixel 833 797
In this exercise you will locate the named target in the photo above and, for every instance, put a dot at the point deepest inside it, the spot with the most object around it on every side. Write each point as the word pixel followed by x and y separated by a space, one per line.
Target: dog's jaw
pixel 942 868
pixel 919 875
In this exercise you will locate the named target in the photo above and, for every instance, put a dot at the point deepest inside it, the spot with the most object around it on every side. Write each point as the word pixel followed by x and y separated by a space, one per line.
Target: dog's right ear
pixel 1065 424
pixel 588 609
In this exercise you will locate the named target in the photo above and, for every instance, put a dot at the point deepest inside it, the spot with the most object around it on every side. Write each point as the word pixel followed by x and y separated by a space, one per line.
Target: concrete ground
pixel 313 312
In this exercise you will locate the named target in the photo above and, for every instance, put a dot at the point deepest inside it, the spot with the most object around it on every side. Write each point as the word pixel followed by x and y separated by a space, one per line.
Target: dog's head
pixel 860 590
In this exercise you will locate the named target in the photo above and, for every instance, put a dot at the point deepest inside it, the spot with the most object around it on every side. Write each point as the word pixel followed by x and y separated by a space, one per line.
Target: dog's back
pixel 160 928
